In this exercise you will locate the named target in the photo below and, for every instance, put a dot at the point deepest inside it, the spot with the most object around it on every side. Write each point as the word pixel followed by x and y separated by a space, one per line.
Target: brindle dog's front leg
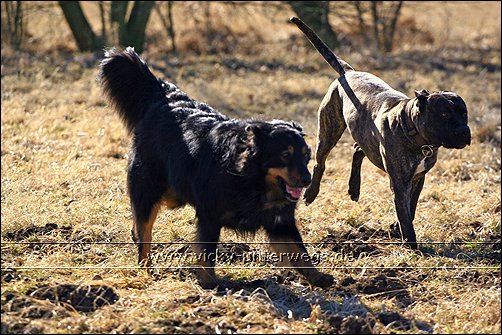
pixel 402 200
pixel 417 185
pixel 416 188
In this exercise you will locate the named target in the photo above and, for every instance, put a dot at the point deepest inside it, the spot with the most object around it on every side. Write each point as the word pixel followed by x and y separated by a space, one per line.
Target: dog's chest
pixel 421 166
pixel 251 221
pixel 425 164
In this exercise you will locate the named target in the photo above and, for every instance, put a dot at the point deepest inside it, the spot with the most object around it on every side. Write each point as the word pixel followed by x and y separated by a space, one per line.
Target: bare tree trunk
pixel 360 19
pixel 13 23
pixel 171 24
pixel 389 36
pixel 136 25
pixel 118 13
pixel 385 15
pixel 84 36
pixel 131 32
pixel 315 14
pixel 376 24
pixel 103 22
pixel 168 22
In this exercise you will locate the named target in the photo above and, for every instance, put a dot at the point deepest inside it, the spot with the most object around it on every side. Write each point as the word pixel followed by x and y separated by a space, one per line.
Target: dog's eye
pixel 444 114
pixel 286 155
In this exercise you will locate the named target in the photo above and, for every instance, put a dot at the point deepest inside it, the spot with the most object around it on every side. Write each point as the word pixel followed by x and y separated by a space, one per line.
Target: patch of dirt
pixel 486 251
pixel 28 307
pixel 338 324
pixel 276 284
pixel 83 298
pixel 491 250
pixel 191 299
pixel 394 320
pixel 364 234
pixel 482 278
pixel 379 284
pixel 49 228
pixel 9 275
pixel 197 327
pixel 387 283
pixel 18 327
pixel 356 242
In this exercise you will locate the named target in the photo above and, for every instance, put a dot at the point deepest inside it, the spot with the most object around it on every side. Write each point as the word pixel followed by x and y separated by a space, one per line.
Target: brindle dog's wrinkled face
pixel 287 155
pixel 443 119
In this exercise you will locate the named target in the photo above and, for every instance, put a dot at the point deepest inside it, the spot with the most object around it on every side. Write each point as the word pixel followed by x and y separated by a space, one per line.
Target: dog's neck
pixel 408 116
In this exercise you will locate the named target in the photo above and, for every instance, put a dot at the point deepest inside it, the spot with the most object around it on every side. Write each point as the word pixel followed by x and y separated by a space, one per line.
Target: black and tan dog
pixel 243 175
pixel 399 135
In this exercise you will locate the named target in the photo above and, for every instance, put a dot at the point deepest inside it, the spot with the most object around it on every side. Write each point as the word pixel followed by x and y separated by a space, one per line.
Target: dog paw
pixel 133 236
pixel 395 231
pixel 310 195
pixel 206 279
pixel 354 197
pixel 322 280
pixel 208 284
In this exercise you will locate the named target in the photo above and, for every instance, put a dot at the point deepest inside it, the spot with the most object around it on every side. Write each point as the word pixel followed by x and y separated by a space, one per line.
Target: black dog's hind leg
pixel 205 248
pixel 355 173
pixel 146 197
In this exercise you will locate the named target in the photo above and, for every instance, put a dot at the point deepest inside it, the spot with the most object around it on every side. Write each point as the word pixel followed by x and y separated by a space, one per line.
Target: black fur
pixel 185 152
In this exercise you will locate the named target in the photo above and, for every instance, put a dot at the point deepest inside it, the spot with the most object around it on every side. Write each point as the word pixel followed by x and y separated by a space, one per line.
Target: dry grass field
pixel 64 156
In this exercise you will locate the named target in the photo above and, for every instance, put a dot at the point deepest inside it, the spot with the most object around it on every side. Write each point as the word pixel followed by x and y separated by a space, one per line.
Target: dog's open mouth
pixel 292 194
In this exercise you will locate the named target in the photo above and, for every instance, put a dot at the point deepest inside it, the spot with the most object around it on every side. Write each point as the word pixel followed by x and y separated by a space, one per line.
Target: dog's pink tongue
pixel 294 192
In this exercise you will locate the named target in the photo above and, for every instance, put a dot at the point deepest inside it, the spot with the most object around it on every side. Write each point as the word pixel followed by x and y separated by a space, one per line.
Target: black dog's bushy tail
pixel 336 63
pixel 129 85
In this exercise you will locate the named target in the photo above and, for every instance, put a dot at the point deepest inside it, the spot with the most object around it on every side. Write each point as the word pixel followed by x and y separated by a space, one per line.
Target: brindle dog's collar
pixel 412 131
pixel 428 150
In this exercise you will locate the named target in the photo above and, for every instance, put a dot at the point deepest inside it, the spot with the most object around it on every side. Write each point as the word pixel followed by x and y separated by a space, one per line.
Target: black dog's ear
pixel 259 131
pixel 248 150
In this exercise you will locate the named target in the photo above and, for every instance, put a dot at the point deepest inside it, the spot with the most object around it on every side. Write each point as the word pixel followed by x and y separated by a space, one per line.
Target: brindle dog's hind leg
pixel 330 128
pixel 355 173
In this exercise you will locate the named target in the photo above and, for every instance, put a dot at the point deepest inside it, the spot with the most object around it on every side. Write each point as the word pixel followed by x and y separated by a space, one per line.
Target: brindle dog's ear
pixel 298 127
pixel 422 95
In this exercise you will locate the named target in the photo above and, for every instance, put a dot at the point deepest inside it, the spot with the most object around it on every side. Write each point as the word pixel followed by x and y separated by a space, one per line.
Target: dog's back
pixel 133 90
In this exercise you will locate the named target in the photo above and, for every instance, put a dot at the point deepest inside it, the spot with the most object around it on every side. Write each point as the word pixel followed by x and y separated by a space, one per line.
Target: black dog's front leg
pixel 205 252
pixel 287 243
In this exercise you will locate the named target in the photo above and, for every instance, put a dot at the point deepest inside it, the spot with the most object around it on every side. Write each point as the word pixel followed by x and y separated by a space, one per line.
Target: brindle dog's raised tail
pixel 336 63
